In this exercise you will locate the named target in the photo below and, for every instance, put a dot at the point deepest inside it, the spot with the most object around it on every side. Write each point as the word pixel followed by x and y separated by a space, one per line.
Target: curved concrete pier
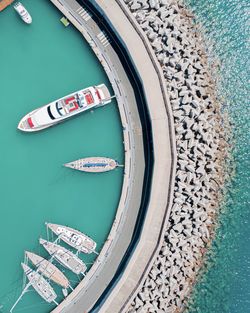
pixel 164 156
pixel 86 294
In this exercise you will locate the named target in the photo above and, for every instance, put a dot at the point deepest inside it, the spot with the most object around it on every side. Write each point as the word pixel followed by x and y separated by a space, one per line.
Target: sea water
pixel 39 63
pixel 224 286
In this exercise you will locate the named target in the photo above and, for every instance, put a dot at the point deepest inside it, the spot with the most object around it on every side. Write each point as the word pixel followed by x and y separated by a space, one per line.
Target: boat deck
pixel 93 164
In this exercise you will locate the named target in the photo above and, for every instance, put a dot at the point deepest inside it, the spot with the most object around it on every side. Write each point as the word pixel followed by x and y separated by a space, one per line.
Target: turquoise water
pixel 224 287
pixel 39 63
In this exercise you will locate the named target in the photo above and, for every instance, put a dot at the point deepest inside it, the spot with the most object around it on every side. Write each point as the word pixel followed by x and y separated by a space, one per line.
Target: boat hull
pixel 23 13
pixel 73 238
pixel 93 165
pixel 65 257
pixel 48 269
pixel 40 284
pixel 64 108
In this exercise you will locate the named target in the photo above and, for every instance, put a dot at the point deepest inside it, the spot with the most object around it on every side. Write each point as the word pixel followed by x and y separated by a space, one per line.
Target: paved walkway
pixel 164 155
pixel 95 282
pixel 88 291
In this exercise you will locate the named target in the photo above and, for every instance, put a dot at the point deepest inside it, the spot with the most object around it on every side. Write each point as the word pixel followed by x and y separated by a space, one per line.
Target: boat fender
pixel 65 292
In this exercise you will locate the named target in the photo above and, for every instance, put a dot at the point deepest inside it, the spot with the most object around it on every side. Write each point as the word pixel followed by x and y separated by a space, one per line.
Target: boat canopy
pixel 95 164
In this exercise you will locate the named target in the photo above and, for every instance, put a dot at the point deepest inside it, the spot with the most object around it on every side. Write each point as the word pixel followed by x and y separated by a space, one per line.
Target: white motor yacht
pixel 64 108
pixel 24 14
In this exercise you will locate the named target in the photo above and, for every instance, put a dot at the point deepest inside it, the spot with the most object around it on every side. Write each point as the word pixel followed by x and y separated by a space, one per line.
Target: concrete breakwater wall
pixel 201 152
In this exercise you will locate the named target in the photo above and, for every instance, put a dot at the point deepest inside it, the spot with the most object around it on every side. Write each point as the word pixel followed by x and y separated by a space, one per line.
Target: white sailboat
pixel 48 269
pixel 74 238
pixel 39 283
pixel 64 257
pixel 93 164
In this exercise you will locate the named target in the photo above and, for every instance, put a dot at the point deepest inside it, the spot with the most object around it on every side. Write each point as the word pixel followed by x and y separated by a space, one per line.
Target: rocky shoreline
pixel 201 153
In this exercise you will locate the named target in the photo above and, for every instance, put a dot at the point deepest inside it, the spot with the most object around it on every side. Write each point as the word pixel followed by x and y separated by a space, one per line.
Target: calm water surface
pixel 39 63
pixel 224 288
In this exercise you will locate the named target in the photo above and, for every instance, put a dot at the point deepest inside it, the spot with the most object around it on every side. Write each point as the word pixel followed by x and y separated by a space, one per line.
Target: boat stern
pixel 28 20
pixel 103 94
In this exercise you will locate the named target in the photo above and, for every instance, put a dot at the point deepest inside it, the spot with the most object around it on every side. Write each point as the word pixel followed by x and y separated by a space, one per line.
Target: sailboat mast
pixel 20 297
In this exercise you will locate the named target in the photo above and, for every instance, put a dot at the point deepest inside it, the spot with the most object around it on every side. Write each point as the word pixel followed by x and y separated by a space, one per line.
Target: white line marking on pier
pixel 84 14
pixel 102 36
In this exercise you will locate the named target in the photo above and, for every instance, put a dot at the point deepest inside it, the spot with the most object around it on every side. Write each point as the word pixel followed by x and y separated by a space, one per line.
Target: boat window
pixel 59 108
pixel 89 98
pixel 50 114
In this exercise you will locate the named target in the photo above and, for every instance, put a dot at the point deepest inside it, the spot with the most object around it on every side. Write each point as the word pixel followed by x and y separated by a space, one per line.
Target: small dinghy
pixel 65 257
pixel 73 238
pixel 93 164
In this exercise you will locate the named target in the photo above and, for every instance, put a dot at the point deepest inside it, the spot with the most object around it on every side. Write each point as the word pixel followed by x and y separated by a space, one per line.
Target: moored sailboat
pixel 74 238
pixel 48 269
pixel 65 257
pixel 93 164
pixel 40 284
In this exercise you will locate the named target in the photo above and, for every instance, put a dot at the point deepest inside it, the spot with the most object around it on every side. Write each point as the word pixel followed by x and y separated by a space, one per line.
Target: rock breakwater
pixel 201 152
